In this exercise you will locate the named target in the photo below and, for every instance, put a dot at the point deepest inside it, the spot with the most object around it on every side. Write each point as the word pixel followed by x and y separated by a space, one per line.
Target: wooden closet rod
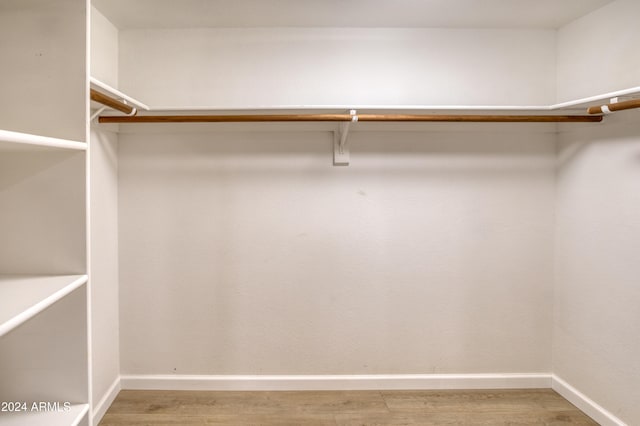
pixel 347 117
pixel 111 102
pixel 618 106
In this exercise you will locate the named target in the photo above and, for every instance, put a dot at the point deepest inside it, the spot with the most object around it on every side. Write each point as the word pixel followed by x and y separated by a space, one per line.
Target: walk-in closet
pixel 210 209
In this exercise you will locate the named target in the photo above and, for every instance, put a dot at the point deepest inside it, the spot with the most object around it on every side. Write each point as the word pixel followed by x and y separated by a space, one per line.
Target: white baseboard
pixel 336 382
pixel 101 407
pixel 356 382
pixel 586 405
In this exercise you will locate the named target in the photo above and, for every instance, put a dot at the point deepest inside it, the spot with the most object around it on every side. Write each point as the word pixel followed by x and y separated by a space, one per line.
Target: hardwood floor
pixel 344 408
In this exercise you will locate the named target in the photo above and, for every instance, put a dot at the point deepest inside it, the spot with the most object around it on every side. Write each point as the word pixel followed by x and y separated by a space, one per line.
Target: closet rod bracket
pixel 97 114
pixel 616 100
pixel 340 141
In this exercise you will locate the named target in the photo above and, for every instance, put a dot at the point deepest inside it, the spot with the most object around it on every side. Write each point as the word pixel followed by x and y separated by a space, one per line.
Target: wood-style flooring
pixel 473 407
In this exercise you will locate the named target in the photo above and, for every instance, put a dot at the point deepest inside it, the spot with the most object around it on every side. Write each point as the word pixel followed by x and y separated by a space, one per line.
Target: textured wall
pixel 43 50
pixel 104 49
pixel 596 343
pixel 241 67
pixel 42 212
pixel 598 53
pixel 249 253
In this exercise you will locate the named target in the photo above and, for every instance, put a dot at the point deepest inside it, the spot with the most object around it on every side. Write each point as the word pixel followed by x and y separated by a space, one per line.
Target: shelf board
pixel 22 297
pixel 577 105
pixel 573 107
pixel 105 88
pixel 46 418
pixel 15 140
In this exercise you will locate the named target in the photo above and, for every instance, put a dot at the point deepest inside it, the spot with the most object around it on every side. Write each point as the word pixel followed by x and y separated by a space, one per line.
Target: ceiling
pixel 130 14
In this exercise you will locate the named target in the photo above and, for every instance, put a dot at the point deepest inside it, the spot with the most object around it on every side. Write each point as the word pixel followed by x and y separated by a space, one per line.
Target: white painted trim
pixel 584 403
pixel 87 211
pixel 335 382
pixel 101 407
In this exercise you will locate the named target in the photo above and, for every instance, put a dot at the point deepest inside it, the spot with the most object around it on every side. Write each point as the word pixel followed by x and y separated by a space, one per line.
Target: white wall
pixel 104 49
pixel 42 213
pixel 240 67
pixel 598 53
pixel 596 340
pixel 596 344
pixel 43 51
pixel 247 253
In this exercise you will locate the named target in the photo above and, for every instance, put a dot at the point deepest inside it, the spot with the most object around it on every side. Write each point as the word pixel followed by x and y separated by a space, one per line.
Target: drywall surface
pixel 105 338
pixel 43 50
pixel 104 49
pixel 598 53
pixel 596 341
pixel 313 66
pixel 42 213
pixel 249 253
pixel 45 358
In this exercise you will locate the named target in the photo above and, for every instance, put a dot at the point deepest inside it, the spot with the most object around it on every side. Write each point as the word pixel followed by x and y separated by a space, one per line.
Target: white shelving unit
pixel 75 415
pixel 43 271
pixel 23 297
pixel 44 315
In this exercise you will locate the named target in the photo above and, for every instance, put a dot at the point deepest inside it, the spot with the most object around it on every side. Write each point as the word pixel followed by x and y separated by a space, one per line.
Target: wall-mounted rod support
pixel 340 141
pixel 112 103
pixel 97 113
pixel 348 117
pixel 614 106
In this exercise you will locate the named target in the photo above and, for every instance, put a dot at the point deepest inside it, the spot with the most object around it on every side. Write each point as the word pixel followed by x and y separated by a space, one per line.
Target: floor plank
pixel 344 408
pixel 221 403
pixel 223 419
pixel 508 400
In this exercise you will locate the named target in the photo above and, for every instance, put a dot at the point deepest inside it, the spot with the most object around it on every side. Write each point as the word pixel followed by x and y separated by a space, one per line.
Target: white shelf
pixel 23 297
pixel 9 139
pixel 103 87
pixel 46 418
pixel 573 106
pixel 559 108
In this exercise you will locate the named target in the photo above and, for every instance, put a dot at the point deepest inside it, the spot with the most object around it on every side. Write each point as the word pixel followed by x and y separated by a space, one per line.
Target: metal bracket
pixel 133 112
pixel 340 141
pixel 618 99
pixel 97 113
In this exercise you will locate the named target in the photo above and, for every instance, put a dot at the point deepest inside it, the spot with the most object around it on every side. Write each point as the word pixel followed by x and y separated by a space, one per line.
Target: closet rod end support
pixel 340 148
pixel 340 141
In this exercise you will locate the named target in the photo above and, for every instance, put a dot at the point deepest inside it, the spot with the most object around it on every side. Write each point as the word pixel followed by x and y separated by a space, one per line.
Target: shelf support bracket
pixel 341 142
pixel 97 113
